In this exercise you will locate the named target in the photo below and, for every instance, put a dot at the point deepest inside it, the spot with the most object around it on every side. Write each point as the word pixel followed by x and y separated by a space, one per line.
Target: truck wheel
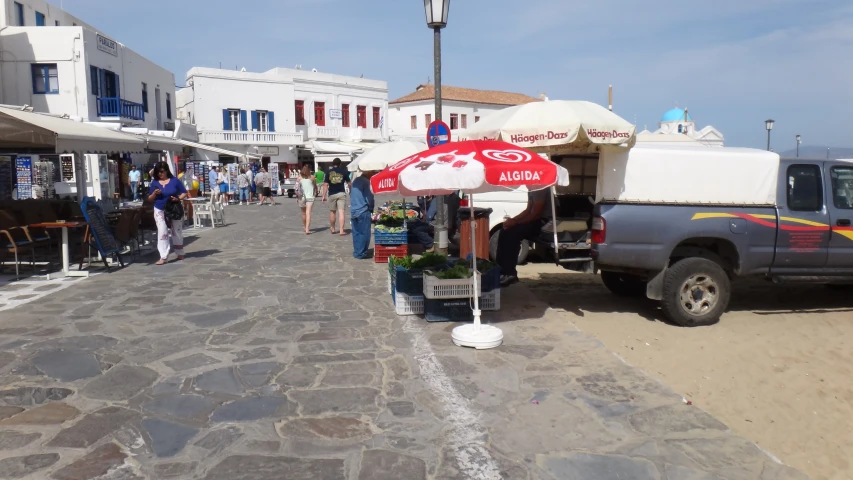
pixel 696 292
pixel 493 248
pixel 624 285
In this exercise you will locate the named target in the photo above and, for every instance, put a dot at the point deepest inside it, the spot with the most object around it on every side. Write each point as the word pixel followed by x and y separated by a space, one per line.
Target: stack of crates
pixel 451 300
pixel 407 290
pixel 388 245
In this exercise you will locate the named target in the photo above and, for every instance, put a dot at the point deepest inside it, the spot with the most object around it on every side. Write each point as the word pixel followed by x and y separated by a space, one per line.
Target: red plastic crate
pixel 381 253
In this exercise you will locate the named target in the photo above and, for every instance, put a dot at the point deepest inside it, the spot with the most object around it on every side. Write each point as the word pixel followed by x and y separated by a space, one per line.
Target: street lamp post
pixel 769 125
pixel 799 141
pixel 436 19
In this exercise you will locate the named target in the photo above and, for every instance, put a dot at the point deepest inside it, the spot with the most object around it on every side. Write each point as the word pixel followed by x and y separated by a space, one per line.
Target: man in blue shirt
pixel 211 178
pixel 133 178
pixel 361 211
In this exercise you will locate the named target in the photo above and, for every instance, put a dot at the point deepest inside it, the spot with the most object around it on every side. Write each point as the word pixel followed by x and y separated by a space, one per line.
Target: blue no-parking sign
pixel 438 133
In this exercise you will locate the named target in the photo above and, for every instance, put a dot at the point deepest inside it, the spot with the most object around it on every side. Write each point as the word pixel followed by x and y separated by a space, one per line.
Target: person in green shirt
pixel 320 176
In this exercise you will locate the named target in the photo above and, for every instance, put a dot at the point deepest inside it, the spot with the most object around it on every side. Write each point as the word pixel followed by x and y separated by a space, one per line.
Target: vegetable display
pixel 462 269
pixel 427 260
pixel 389 229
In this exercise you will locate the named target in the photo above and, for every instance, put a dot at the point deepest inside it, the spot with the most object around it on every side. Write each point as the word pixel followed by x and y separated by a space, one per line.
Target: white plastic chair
pixel 218 213
pixel 202 210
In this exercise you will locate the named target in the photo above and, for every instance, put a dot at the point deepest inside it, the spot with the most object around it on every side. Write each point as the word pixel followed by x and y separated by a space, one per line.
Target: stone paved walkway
pixel 270 354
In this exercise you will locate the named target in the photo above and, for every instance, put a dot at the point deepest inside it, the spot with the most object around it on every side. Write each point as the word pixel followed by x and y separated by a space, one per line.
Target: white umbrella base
pixel 480 336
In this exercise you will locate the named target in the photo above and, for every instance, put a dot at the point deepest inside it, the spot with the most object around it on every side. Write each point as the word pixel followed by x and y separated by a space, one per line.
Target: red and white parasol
pixel 476 166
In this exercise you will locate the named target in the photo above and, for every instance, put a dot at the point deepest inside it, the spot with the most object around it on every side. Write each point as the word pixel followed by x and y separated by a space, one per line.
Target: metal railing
pixel 250 138
pixel 117 107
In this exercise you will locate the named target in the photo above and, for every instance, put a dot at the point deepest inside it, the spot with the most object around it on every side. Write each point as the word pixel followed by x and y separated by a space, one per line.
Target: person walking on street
pixel 267 187
pixel 222 182
pixel 250 174
pixel 213 181
pixel 167 189
pixel 133 179
pixel 320 176
pixel 307 191
pixel 361 200
pixel 243 186
pixel 334 191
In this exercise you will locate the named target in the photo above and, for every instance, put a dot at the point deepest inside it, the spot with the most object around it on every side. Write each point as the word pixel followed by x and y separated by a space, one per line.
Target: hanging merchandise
pixel 273 172
pixel 66 163
pixel 233 171
pixel 43 181
pixel 203 178
pixel 24 177
pixel 6 179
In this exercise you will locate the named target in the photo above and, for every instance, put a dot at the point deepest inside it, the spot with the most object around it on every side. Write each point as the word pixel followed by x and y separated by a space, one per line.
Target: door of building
pixel 158 109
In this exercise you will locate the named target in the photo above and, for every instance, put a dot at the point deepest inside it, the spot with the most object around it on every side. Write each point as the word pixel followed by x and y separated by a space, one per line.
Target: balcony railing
pixel 117 107
pixel 250 138
pixel 360 133
pixel 328 133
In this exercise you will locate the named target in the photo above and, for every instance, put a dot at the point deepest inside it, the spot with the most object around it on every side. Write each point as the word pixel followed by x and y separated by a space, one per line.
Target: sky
pixel 731 63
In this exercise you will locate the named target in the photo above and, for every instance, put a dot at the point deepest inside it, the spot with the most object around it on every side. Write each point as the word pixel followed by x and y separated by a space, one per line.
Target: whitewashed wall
pixel 400 115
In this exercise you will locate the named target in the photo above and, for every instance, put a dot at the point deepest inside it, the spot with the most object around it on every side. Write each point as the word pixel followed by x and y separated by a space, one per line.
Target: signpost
pixel 438 133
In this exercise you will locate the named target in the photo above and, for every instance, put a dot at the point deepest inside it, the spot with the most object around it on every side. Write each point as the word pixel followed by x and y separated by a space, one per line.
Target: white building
pixel 679 122
pixel 57 63
pixel 287 115
pixel 410 115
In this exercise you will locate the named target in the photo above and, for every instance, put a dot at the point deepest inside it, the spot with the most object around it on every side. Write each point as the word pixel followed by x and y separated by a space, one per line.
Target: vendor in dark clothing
pixel 422 229
pixel 525 226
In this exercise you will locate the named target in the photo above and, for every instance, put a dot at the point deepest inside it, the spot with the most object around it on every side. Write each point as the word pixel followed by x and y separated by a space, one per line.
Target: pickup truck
pixel 678 225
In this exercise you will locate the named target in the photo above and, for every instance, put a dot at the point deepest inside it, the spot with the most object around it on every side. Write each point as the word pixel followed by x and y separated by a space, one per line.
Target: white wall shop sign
pixel 272 151
pixel 336 114
pixel 107 45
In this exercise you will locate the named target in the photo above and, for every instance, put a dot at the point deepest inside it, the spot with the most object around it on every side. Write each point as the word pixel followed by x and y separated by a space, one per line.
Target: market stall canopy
pixel 555 127
pixel 20 129
pixel 384 155
pixel 330 148
pixel 218 150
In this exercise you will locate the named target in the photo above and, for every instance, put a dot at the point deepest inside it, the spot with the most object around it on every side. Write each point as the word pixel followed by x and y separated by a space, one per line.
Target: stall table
pixel 66 271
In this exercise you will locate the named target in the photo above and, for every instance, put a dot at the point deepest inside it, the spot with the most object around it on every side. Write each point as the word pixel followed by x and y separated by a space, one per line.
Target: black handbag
pixel 174 211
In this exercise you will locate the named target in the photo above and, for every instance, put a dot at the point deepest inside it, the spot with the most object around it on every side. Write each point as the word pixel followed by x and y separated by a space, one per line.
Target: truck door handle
pixel 844 222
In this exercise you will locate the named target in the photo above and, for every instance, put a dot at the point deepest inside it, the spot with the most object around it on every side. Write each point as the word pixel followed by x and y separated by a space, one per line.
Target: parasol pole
pixel 477 312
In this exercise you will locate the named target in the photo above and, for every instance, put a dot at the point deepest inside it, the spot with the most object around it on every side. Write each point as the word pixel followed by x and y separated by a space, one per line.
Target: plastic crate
pixel 388 238
pixel 410 282
pixel 381 253
pixel 435 288
pixel 491 280
pixel 459 309
pixel 408 304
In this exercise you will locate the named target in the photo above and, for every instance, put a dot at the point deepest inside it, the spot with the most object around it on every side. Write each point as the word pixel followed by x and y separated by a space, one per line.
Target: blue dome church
pixel 678 121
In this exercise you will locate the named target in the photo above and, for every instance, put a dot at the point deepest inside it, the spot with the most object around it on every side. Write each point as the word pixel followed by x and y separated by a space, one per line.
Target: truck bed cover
pixel 688 175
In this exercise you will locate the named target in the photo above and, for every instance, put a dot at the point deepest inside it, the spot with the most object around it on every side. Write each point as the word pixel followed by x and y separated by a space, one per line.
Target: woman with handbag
pixel 167 192
pixel 306 192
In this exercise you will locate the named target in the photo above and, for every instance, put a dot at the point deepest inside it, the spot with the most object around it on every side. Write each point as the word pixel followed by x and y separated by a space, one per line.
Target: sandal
pixel 161 262
pixel 180 257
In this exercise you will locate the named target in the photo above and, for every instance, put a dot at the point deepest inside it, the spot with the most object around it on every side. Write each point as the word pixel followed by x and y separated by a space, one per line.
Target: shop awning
pixel 159 142
pixel 330 148
pixel 218 150
pixel 22 130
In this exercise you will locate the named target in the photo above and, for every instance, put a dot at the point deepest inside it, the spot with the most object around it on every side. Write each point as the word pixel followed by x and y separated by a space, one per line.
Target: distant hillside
pixel 808 151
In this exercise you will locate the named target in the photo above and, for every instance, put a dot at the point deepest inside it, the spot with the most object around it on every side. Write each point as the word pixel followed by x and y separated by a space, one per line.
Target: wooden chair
pixel 15 240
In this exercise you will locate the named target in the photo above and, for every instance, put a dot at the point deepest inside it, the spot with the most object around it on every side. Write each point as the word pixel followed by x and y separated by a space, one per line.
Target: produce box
pixel 384 237
pixel 381 253
pixel 459 309
pixel 408 304
pixel 436 288
pixel 407 274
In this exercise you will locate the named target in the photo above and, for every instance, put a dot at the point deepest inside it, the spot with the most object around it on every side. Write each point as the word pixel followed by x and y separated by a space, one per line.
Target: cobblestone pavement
pixel 270 354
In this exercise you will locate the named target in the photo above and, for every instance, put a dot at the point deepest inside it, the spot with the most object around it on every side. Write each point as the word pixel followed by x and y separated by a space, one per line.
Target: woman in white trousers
pixel 165 189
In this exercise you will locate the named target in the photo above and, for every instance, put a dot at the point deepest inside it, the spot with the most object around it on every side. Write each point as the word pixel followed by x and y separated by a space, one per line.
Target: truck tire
pixel 624 285
pixel 696 292
pixel 493 248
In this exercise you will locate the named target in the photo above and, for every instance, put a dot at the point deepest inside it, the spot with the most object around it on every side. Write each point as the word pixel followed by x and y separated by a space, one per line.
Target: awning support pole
pixel 80 175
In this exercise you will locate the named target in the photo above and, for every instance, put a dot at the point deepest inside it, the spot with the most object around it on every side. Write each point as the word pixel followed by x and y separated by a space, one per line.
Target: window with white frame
pixel 234 115
pixel 263 121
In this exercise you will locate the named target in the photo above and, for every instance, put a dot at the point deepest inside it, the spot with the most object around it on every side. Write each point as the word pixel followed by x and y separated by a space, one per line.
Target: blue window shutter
pixel 118 87
pixel 256 120
pixel 102 79
pixel 243 122
pixel 226 119
pixel 93 73
pixel 271 121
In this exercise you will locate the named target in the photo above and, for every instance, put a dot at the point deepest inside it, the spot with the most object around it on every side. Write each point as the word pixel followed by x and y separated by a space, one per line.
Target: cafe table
pixel 64 226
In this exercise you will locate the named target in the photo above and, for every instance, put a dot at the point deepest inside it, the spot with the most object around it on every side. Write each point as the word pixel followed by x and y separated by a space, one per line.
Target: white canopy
pixel 688 175
pixel 218 150
pixel 385 154
pixel 21 129
pixel 328 148
pixel 554 127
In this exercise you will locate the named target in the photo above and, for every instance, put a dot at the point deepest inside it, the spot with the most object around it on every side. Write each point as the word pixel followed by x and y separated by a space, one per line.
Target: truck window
pixel 842 187
pixel 805 188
